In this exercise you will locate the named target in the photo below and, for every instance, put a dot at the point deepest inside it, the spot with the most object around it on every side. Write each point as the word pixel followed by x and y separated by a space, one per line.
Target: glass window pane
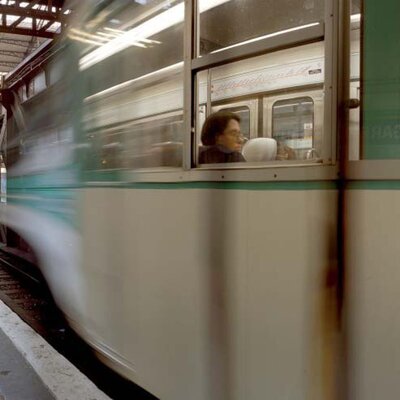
pixel 293 125
pixel 124 40
pixel 137 127
pixel 355 86
pixel 154 143
pixel 132 66
pixel 225 23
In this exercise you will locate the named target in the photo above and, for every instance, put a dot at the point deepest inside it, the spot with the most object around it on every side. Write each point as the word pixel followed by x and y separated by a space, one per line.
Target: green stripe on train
pixel 373 185
pixel 30 185
pixel 59 203
pixel 254 186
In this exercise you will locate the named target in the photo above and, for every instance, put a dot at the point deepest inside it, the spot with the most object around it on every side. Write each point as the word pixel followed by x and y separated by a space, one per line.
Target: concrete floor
pixel 18 380
pixel 30 369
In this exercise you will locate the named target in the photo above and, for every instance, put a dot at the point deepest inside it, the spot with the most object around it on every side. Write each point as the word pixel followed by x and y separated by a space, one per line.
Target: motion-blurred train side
pixel 210 281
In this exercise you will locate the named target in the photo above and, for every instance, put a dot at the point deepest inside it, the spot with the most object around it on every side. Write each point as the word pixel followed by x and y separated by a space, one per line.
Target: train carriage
pixel 216 281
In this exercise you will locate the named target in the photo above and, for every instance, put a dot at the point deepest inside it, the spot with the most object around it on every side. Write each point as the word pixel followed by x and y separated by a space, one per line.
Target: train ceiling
pixel 24 26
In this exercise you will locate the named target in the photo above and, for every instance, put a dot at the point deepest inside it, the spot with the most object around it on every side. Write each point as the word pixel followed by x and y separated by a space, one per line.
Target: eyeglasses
pixel 237 135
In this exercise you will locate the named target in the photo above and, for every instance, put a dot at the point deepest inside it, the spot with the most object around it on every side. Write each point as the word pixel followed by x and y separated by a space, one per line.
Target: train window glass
pixel 46 149
pixel 285 93
pixel 293 128
pixel 355 86
pixel 148 143
pixel 266 16
pixel 136 126
pixel 129 40
pixel 37 84
pixel 21 92
pixel 132 65
pixel 154 143
pixel 105 150
pixel 55 70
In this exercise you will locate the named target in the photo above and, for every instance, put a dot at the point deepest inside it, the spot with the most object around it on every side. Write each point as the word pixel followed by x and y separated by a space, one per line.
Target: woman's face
pixel 231 138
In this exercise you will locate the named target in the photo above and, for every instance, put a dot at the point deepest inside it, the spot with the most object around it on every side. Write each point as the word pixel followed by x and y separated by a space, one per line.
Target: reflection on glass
pixel 293 127
pixel 355 86
pixel 132 69
pixel 146 143
pixel 126 40
pixel 225 23
pixel 155 143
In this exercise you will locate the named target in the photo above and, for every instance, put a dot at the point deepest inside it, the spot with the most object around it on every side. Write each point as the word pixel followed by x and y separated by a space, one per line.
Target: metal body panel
pixel 162 303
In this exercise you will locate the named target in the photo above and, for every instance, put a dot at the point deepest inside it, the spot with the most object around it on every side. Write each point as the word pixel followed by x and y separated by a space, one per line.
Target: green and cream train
pixel 264 279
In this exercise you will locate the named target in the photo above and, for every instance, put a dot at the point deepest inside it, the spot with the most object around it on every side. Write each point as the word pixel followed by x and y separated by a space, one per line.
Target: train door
pixel 295 120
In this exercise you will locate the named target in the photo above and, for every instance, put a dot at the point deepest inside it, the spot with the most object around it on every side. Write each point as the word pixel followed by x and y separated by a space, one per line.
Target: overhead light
pixel 149 28
pixel 157 24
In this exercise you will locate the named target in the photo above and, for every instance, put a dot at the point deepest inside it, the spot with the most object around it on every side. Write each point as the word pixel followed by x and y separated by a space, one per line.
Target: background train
pixel 250 280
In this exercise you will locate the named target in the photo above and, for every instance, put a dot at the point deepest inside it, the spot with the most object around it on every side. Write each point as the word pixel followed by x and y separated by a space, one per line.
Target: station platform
pixel 30 369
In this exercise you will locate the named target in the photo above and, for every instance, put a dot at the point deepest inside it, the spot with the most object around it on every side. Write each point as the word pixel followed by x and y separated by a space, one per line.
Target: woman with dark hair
pixel 222 139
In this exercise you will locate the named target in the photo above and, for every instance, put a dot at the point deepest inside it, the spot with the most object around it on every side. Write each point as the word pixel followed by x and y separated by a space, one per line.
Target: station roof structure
pixel 24 26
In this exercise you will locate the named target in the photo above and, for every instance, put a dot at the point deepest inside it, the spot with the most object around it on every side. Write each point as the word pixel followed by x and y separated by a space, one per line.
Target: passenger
pixel 221 138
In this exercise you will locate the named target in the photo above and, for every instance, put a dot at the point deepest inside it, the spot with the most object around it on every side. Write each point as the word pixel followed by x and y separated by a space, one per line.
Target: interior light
pixel 120 86
pixel 297 28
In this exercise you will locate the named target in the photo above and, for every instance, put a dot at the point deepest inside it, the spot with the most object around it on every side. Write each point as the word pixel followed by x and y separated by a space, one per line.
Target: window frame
pixel 313 94
pixel 326 32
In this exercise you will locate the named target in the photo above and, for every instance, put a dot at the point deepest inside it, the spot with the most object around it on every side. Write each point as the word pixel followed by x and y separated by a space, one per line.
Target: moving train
pixel 247 280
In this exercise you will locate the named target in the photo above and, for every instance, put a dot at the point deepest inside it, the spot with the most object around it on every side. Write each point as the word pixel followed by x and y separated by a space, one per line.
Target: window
pixel 132 66
pixel 355 85
pixel 129 40
pixel 293 126
pixel 156 142
pixel 279 95
pixel 226 23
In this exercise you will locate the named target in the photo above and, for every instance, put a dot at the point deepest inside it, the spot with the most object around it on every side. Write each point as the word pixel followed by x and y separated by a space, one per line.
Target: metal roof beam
pixel 27 32
pixel 20 19
pixel 26 12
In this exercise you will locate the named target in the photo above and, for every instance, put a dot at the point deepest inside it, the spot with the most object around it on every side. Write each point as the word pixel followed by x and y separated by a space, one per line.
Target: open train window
pixel 289 86
pixel 293 125
pixel 247 114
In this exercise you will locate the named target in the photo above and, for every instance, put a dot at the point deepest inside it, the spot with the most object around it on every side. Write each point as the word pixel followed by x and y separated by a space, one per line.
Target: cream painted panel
pixel 164 276
pixel 373 294
pixel 291 245
pixel 103 241
pixel 212 294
